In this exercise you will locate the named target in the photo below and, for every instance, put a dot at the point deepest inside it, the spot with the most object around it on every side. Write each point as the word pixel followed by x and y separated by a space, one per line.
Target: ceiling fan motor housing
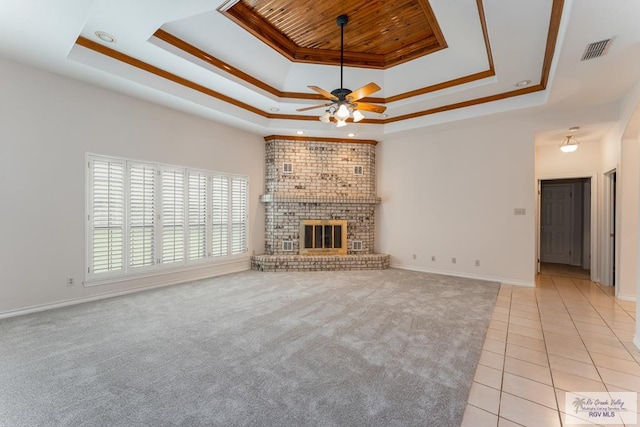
pixel 341 93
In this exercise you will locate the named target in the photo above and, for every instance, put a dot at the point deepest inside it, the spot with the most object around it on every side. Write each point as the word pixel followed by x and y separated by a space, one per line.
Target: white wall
pixel 628 183
pixel 611 152
pixel 452 193
pixel 47 125
pixel 551 163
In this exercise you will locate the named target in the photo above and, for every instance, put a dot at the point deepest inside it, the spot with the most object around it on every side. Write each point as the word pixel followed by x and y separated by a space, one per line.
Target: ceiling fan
pixel 344 102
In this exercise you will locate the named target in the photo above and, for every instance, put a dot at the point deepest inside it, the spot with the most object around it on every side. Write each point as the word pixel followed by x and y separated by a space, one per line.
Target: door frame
pixel 593 226
pixel 609 222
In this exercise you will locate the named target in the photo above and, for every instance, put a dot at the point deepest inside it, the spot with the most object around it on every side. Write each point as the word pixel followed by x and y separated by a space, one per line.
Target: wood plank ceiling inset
pixel 380 34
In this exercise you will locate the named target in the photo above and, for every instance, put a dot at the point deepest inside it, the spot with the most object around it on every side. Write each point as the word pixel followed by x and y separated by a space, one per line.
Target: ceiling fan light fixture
pixel 342 113
pixel 569 145
pixel 341 123
pixel 357 116
pixel 326 117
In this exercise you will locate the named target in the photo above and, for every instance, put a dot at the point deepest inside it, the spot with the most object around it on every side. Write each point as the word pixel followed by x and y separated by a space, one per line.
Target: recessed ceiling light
pixel 300 132
pixel 351 134
pixel 523 83
pixel 274 109
pixel 105 37
pixel 383 116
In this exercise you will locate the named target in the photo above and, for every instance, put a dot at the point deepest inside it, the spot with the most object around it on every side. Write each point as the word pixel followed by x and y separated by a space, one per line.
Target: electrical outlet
pixel 414 256
pixel 433 258
pixel 477 263
pixel 70 281
pixel 453 260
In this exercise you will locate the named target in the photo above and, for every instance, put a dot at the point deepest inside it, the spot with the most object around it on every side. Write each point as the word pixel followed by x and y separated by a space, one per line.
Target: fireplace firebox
pixel 326 237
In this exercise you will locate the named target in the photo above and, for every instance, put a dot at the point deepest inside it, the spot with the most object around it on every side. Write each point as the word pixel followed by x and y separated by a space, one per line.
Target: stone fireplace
pixel 320 205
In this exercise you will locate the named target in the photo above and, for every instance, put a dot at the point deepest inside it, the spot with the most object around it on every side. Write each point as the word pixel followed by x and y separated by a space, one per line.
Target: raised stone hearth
pixel 319 263
pixel 319 181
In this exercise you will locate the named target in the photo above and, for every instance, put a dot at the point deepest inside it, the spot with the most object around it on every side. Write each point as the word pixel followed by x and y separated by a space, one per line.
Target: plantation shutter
pixel 173 215
pixel 219 215
pixel 107 213
pixel 197 218
pixel 238 215
pixel 142 215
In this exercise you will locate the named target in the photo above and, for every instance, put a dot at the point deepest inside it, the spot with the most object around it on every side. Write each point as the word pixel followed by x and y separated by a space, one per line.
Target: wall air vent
pixel 287 245
pixel 357 245
pixel 596 50
pixel 287 168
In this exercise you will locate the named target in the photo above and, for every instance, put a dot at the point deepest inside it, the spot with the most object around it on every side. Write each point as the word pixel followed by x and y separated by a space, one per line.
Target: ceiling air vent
pixel 595 50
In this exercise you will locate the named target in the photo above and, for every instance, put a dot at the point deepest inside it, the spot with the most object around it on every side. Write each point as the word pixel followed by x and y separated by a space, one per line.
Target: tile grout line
pixel 546 348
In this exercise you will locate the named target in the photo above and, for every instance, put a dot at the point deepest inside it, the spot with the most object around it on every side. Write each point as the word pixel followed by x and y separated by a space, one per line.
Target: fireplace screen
pixel 327 237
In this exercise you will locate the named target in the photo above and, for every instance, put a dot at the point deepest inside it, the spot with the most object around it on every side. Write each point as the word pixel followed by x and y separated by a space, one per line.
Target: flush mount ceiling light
pixel 344 102
pixel 300 132
pixel 569 145
pixel 523 83
pixel 105 37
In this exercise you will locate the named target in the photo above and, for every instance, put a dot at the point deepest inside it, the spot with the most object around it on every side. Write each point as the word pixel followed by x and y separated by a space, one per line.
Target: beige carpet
pixel 369 348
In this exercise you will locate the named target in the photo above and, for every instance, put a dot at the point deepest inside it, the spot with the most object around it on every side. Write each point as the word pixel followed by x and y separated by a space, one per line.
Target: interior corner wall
pixel 47 125
pixel 451 193
pixel 629 183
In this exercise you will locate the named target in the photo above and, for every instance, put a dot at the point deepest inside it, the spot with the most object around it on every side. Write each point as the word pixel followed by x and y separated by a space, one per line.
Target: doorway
pixel 565 225
pixel 609 268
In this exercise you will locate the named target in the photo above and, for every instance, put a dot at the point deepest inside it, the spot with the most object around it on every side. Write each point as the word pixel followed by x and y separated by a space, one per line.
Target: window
pixel 107 216
pixel 145 217
pixel 220 209
pixel 197 216
pixel 239 215
pixel 142 215
pixel 173 214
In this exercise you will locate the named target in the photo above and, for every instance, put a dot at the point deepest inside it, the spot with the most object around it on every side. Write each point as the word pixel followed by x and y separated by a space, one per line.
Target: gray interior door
pixel 555 233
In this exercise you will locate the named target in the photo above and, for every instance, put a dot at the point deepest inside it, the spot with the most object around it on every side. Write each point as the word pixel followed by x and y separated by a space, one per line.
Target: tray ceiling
pixel 380 34
pixel 191 56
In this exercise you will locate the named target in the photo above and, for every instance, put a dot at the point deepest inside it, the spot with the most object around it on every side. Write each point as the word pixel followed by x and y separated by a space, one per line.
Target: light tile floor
pixel 566 334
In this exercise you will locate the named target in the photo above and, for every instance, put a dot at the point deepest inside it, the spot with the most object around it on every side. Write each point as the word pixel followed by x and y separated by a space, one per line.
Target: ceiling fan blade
pixel 323 93
pixel 363 91
pixel 311 108
pixel 369 107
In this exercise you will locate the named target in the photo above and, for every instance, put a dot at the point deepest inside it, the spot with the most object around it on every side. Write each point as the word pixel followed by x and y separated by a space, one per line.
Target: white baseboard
pixel 164 280
pixel 629 298
pixel 465 275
